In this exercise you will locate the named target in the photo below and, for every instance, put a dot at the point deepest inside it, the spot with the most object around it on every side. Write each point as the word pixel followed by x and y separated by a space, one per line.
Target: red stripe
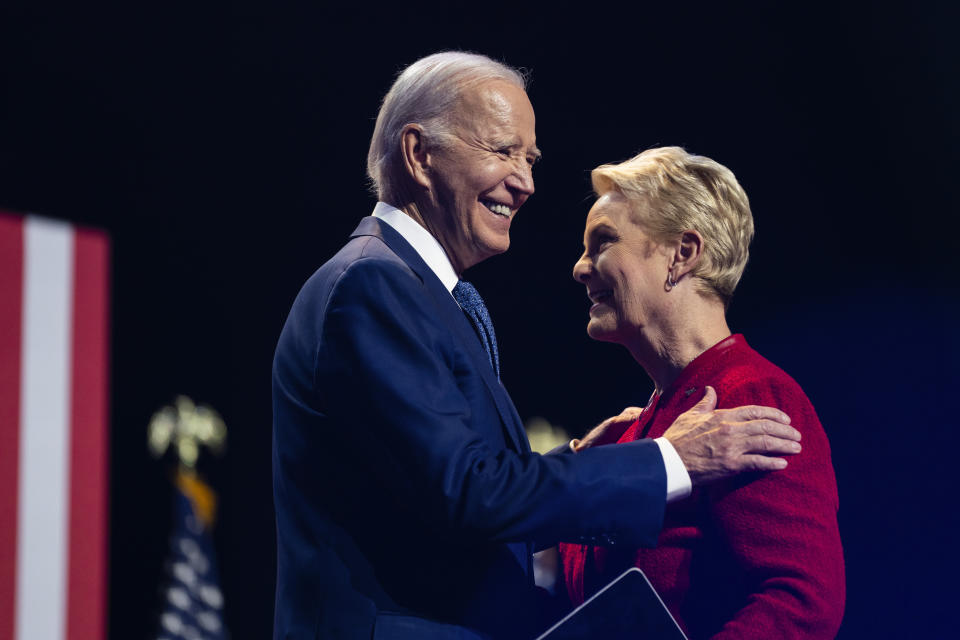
pixel 87 551
pixel 11 295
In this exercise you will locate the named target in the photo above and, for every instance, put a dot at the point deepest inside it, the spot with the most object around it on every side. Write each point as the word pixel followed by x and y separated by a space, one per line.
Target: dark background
pixel 225 154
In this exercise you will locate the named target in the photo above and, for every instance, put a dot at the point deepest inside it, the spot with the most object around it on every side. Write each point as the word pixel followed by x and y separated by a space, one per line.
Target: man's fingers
pixel 769 428
pixel 761 463
pixel 708 402
pixel 717 443
pixel 767 445
pixel 755 412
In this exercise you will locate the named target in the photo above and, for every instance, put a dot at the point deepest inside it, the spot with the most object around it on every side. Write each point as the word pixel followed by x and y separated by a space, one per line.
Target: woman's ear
pixel 416 159
pixel 687 254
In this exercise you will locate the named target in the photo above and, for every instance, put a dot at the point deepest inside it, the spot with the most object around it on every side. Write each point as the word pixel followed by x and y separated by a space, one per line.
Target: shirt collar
pixel 422 242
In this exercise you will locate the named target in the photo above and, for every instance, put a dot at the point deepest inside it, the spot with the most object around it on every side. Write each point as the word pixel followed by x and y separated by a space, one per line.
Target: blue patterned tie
pixel 472 304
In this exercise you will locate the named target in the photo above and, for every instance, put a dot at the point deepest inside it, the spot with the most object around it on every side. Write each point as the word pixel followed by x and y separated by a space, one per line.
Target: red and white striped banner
pixel 53 430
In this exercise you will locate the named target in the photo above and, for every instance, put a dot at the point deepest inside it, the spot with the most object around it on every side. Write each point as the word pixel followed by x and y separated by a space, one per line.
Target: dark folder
pixel 627 608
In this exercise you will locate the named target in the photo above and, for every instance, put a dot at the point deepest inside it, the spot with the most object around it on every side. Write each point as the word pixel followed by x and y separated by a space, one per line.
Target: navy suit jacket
pixel 407 498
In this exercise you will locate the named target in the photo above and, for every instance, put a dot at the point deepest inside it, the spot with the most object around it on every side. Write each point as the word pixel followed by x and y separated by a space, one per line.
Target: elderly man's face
pixel 485 174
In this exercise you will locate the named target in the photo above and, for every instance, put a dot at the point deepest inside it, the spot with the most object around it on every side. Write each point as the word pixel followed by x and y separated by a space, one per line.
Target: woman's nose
pixel 581 270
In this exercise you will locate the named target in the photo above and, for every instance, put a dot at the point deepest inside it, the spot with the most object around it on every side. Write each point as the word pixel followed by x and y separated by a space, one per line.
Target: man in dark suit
pixel 408 501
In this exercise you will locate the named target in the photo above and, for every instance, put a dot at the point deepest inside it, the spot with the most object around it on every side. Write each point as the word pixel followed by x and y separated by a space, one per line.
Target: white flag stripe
pixel 45 430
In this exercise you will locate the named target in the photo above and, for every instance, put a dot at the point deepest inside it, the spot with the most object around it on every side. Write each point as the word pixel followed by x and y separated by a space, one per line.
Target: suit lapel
pixel 453 317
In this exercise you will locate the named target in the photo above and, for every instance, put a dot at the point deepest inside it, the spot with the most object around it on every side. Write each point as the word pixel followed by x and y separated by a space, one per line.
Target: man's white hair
pixel 425 93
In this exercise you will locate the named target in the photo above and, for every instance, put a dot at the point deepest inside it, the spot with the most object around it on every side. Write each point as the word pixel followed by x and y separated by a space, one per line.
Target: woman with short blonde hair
pixel 754 557
pixel 689 191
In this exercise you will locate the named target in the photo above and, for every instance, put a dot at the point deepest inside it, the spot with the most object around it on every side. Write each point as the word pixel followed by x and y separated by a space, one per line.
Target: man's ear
pixel 687 254
pixel 416 159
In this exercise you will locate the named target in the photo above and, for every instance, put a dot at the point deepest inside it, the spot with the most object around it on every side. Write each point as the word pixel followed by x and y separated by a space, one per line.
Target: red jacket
pixel 756 556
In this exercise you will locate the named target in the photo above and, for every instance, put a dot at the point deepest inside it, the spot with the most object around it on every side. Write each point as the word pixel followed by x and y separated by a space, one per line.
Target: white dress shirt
pixel 678 480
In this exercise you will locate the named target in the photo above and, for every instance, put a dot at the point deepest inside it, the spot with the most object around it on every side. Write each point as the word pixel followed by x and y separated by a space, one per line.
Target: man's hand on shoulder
pixel 608 431
pixel 718 443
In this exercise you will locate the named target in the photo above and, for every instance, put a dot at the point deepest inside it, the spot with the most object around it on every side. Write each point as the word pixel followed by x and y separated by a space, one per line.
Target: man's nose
pixel 521 179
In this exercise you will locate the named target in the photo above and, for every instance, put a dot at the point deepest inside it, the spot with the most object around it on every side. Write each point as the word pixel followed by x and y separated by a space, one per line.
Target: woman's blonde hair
pixel 672 191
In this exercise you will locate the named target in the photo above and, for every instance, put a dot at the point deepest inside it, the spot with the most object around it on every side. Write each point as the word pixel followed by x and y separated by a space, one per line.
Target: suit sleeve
pixel 782 529
pixel 386 365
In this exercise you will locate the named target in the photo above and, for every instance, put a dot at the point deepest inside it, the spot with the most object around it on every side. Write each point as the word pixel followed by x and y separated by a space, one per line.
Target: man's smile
pixel 498 208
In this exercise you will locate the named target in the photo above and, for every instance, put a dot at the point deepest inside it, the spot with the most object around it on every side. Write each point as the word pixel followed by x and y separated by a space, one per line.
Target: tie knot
pixel 467 296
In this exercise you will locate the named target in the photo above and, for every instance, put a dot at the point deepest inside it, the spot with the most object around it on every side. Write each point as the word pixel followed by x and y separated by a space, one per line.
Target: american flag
pixel 192 601
pixel 53 424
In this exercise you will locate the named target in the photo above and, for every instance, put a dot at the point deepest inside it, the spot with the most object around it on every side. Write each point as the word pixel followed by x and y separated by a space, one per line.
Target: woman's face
pixel 624 271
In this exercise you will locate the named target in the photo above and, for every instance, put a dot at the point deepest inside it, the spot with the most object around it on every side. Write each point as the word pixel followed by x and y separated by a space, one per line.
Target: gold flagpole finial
pixel 185 427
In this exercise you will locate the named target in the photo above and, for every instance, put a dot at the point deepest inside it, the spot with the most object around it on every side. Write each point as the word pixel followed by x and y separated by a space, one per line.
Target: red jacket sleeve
pixel 781 527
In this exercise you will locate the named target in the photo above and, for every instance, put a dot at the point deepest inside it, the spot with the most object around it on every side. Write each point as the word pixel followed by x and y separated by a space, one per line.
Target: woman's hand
pixel 608 431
